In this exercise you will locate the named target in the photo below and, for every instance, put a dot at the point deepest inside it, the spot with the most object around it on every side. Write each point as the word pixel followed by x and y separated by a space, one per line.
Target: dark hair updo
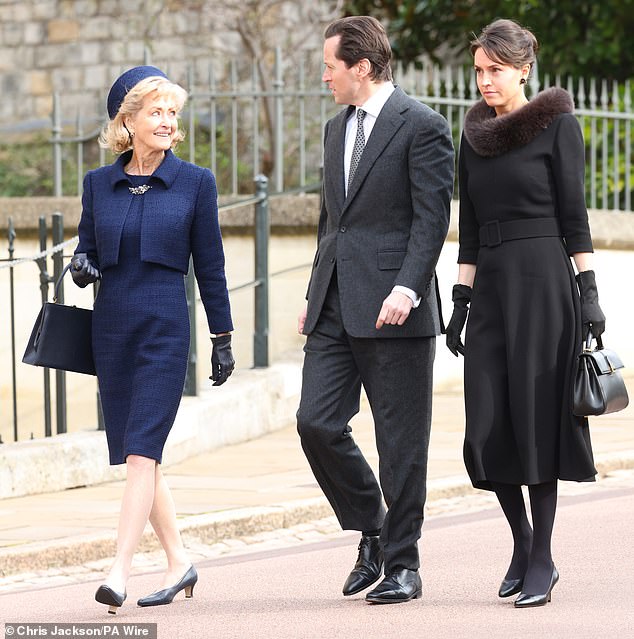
pixel 506 42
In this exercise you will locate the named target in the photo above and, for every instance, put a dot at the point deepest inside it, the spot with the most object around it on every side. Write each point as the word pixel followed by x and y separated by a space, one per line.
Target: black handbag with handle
pixel 61 337
pixel 599 388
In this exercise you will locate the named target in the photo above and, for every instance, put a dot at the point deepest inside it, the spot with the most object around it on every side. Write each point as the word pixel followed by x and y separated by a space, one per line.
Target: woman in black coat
pixel 522 216
pixel 142 219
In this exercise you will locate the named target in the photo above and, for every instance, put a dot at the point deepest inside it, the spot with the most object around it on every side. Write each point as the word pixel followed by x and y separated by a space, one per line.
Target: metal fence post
pixel 11 237
pixel 191 116
pixel 261 332
pixel 57 147
pixel 44 282
pixel 60 376
pixel 191 387
pixel 278 84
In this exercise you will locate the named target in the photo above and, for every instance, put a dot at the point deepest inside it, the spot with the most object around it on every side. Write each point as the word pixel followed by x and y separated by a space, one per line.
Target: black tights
pixel 532 558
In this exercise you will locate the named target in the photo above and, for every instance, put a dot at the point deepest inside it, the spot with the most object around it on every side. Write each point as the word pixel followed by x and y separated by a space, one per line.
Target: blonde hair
pixel 115 135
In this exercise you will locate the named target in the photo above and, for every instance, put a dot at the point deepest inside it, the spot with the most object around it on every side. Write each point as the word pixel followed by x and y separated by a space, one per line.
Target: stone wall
pixel 77 47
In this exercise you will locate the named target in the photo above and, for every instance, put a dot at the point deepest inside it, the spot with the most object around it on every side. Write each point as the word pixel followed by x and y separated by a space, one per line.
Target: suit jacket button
pixel 342 229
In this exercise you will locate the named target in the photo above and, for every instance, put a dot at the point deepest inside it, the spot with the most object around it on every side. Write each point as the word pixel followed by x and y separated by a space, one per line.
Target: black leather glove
pixel 461 296
pixel 222 362
pixel 592 316
pixel 83 271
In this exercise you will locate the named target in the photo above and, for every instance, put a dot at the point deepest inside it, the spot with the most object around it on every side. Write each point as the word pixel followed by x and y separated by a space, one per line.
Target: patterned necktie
pixel 359 143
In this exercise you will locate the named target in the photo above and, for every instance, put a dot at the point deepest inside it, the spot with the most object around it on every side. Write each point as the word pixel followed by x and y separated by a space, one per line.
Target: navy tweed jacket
pixel 180 218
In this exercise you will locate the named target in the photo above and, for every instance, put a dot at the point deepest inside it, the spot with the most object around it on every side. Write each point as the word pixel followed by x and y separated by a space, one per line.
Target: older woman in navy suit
pixel 142 219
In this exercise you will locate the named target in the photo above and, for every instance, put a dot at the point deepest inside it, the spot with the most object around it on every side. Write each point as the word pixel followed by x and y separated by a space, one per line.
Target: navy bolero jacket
pixel 180 218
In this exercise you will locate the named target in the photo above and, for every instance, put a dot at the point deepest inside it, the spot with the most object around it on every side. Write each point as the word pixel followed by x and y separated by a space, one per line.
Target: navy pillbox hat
pixel 127 81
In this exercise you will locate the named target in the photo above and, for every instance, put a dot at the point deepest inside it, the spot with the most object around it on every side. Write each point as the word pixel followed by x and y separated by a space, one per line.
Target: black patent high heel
pixel 531 601
pixel 110 598
pixel 510 587
pixel 166 596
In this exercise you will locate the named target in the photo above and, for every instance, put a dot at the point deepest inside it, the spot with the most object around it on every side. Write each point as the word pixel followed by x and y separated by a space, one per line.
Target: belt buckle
pixel 493 233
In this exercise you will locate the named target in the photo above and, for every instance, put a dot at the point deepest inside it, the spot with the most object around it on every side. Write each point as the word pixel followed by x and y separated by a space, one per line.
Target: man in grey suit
pixel 372 315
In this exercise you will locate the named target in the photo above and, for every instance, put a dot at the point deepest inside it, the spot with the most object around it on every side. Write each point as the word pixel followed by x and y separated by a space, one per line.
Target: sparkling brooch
pixel 139 190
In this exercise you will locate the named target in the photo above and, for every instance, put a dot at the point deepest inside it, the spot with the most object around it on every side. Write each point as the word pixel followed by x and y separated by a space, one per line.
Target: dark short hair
pixel 507 42
pixel 363 37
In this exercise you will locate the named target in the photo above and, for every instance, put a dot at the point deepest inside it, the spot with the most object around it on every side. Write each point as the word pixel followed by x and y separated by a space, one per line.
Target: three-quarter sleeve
pixel 468 227
pixel 568 166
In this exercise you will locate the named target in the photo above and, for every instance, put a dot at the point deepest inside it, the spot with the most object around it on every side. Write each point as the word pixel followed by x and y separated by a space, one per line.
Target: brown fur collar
pixel 490 136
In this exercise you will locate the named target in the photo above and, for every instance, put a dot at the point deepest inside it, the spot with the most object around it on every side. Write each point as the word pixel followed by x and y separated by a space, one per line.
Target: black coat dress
pixel 524 330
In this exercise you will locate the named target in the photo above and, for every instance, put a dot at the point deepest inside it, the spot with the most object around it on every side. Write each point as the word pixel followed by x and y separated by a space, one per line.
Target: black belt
pixel 495 232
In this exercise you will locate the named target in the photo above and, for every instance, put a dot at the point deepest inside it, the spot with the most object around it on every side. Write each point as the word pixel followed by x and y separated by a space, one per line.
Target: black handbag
pixel 61 337
pixel 599 387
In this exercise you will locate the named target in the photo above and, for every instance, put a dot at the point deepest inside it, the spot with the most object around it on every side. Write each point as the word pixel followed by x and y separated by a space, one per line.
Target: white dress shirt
pixel 372 109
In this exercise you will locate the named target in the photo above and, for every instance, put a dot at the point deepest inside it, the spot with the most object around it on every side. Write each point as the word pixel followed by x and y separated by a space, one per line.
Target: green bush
pixel 26 168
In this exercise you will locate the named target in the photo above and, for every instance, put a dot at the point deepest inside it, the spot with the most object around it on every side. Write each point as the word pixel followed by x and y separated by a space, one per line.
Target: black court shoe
pixel 510 587
pixel 110 598
pixel 532 601
pixel 166 596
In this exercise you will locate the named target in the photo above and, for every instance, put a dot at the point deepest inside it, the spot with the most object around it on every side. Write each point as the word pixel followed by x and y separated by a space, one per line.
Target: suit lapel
pixel 333 157
pixel 387 124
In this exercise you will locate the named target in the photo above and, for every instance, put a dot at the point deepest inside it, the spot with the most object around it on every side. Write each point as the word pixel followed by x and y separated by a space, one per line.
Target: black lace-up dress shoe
pixel 368 568
pixel 397 587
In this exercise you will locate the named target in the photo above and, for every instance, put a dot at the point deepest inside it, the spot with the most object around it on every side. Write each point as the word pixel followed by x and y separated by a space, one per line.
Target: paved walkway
pixel 291 589
pixel 237 495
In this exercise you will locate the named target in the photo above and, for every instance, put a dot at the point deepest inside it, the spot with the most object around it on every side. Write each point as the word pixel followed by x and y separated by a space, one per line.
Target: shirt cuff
pixel 410 293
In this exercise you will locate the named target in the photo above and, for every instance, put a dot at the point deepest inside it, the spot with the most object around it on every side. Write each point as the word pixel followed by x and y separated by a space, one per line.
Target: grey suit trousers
pixel 396 374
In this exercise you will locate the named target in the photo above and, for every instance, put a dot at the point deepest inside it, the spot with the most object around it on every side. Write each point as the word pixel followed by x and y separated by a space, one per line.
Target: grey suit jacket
pixel 390 228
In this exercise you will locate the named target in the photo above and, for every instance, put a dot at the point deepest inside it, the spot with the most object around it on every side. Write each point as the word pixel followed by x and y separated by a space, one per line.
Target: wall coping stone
pixel 290 213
